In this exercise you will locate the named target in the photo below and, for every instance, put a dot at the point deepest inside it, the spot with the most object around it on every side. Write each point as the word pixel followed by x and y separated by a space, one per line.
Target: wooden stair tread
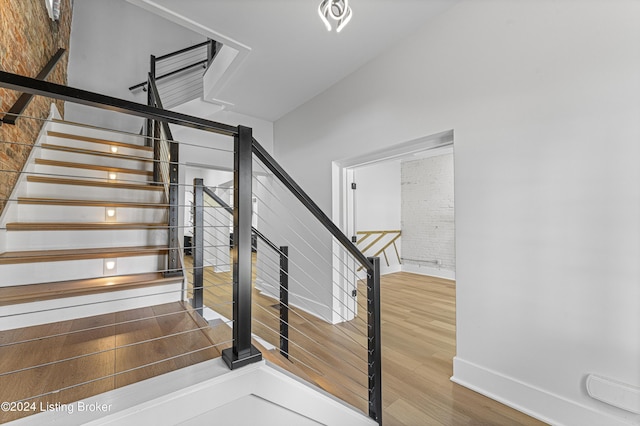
pixel 97 140
pixel 89 203
pixel 93 152
pixel 45 162
pixel 99 183
pixel 32 256
pixel 46 291
pixel 73 226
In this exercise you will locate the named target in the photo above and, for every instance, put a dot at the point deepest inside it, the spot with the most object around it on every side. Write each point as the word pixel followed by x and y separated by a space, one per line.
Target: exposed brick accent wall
pixel 28 39
pixel 428 212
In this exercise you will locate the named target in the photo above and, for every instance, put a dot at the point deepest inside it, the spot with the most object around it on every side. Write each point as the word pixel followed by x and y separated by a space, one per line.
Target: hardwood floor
pixel 70 360
pixel 418 337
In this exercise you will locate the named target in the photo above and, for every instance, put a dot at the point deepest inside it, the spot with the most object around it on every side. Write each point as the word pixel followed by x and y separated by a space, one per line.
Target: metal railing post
pixel 173 264
pixel 211 51
pixel 198 245
pixel 375 345
pixel 284 301
pixel 242 352
pixel 150 102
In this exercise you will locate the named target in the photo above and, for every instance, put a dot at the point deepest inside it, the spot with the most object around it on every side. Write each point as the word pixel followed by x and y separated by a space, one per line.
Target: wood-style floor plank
pixel 419 343
pixel 71 360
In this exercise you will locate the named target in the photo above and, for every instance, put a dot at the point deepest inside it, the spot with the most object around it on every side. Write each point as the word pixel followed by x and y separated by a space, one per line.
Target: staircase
pixel 90 268
pixel 87 221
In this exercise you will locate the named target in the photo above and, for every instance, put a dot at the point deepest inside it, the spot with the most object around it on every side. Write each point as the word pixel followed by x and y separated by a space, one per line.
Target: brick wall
pixel 427 212
pixel 28 39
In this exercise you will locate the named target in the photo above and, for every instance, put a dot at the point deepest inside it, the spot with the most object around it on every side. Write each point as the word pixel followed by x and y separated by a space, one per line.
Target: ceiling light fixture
pixel 338 10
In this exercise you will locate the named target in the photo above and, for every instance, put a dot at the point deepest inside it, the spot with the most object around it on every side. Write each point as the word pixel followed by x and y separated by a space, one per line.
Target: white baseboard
pixel 384 269
pixel 428 270
pixel 533 401
pixel 299 302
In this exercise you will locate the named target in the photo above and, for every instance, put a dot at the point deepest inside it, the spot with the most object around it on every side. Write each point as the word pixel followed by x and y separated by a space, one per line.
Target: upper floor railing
pixel 178 75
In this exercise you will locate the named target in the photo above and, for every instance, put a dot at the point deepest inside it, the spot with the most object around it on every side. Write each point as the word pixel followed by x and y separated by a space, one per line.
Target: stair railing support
pixel 173 266
pixel 374 335
pixel 197 243
pixel 149 122
pixel 24 100
pixel 243 352
pixel 284 301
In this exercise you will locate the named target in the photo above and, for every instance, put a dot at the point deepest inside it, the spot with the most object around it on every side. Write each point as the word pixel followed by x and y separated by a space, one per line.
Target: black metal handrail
pixel 23 101
pixel 84 97
pixel 306 201
pixel 243 352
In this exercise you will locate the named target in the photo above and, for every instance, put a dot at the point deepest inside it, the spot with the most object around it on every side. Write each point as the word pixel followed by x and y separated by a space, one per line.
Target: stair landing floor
pixel 63 362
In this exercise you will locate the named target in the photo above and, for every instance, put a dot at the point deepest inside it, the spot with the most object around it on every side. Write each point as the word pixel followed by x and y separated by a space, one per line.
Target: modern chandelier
pixel 337 10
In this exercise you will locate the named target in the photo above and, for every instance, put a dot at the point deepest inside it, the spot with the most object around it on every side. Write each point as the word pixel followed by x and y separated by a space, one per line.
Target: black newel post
pixel 242 352
pixel 173 267
pixel 284 301
pixel 375 346
pixel 198 245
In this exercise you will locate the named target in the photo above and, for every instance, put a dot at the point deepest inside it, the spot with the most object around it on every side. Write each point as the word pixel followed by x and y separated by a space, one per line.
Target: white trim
pixel 201 391
pixel 397 151
pixel 294 300
pixel 531 400
pixel 436 144
pixel 428 271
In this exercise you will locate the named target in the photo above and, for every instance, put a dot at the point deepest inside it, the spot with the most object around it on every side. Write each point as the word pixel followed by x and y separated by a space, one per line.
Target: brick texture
pixel 427 212
pixel 28 39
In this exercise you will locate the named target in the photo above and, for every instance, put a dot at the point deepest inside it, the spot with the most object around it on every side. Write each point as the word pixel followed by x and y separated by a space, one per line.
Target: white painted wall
pixel 428 229
pixel 377 207
pixel 378 196
pixel 543 99
pixel 101 28
pixel 217 222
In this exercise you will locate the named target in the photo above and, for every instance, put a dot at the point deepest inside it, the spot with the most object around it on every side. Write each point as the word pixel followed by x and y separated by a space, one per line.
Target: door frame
pixel 343 205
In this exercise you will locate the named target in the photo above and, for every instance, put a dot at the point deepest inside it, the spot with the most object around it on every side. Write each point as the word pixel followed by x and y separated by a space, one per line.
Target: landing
pixel 67 361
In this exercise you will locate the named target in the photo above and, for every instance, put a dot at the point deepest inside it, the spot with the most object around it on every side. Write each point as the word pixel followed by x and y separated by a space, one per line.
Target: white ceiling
pixel 291 56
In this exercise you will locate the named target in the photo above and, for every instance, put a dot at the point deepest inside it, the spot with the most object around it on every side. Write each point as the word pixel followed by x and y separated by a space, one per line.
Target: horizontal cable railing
pixel 332 319
pixel 178 75
pixel 98 329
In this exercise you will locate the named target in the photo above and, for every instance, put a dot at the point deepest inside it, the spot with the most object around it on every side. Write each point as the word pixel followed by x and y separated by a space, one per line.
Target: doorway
pixel 370 191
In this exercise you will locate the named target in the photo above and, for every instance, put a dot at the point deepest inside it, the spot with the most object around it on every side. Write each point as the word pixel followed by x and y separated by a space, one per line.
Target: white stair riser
pixel 60 240
pixel 56 213
pixel 109 161
pixel 81 173
pixel 101 147
pixel 44 272
pixel 79 192
pixel 35 313
pixel 97 133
